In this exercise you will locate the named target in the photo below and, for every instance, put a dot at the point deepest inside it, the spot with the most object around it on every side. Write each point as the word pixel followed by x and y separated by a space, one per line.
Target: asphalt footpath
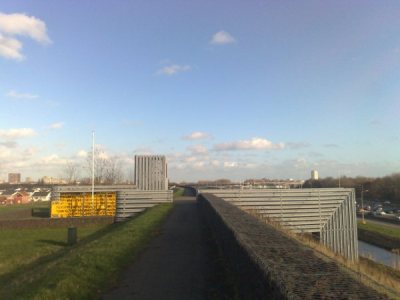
pixel 182 262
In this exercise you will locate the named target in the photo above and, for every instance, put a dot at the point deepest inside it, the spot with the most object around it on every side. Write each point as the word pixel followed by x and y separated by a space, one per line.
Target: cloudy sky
pixel 233 89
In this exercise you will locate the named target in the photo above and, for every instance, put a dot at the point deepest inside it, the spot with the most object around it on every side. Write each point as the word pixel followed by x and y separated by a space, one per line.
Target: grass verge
pixel 86 270
pixel 178 192
pixel 386 237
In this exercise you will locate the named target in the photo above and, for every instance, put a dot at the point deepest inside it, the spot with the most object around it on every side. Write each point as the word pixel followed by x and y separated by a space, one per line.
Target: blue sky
pixel 232 89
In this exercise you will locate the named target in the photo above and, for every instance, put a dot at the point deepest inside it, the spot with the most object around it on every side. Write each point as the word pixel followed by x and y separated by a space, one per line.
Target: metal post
pixel 362 204
pixel 92 172
pixel 72 236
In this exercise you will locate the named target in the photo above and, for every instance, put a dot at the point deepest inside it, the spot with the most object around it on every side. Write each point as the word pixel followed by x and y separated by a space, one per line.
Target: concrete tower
pixel 151 172
pixel 314 175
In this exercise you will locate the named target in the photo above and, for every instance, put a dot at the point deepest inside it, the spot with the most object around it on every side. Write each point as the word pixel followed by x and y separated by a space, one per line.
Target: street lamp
pixel 362 203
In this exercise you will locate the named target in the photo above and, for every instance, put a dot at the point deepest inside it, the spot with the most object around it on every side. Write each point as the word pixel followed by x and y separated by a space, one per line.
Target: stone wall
pixel 265 264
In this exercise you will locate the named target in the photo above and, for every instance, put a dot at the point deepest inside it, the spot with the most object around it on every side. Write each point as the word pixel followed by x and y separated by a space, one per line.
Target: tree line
pixel 375 189
pixel 107 169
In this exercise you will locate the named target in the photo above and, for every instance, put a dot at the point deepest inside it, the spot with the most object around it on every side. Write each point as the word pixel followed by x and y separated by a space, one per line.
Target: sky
pixel 225 89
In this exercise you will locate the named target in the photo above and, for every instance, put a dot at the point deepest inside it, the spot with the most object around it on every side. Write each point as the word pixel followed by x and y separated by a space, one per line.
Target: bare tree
pixel 113 171
pixel 100 161
pixel 106 169
pixel 71 172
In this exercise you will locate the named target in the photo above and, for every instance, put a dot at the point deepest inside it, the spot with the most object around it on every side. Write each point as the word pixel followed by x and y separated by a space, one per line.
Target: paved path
pixel 180 263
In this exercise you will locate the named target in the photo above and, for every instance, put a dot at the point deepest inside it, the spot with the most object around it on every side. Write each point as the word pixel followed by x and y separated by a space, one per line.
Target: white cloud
pixel 173 69
pixel 53 159
pixel 21 96
pixel 10 48
pixel 58 125
pixel 197 135
pixel 21 24
pixel 82 153
pixel 30 151
pixel 222 37
pixel 230 164
pixel 9 144
pixel 197 149
pixel 16 133
pixel 253 144
pixel 17 24
pixel 5 152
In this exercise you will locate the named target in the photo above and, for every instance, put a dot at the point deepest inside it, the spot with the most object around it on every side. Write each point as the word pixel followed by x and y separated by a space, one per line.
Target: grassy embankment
pixel 387 237
pixel 37 263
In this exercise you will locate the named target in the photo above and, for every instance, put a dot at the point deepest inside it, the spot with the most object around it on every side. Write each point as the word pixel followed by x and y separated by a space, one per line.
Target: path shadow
pixel 55 243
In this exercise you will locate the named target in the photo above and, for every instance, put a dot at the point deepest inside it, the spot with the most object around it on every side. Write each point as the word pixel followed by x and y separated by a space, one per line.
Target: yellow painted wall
pixel 80 205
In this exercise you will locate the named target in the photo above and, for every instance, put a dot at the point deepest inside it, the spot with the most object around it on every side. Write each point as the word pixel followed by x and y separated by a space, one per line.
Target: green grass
pixel 19 207
pixel 22 247
pixel 83 271
pixel 379 235
pixel 381 229
pixel 178 192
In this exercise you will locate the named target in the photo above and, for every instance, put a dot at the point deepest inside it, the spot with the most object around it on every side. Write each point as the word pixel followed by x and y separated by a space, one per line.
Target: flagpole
pixel 92 171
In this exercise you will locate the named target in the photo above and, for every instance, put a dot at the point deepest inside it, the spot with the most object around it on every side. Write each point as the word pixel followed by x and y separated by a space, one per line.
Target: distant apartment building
pixel 151 172
pixel 52 180
pixel 28 180
pixel 14 178
pixel 314 175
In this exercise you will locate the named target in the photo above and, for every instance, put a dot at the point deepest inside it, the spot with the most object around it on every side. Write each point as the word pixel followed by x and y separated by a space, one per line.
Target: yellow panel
pixel 81 204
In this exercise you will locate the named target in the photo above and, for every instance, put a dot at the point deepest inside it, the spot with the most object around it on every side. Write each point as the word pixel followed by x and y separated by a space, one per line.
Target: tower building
pixel 151 172
pixel 314 175
pixel 14 178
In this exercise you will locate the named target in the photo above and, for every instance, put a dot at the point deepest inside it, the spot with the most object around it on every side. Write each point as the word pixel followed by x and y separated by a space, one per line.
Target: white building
pixel 314 175
pixel 41 196
pixel 151 172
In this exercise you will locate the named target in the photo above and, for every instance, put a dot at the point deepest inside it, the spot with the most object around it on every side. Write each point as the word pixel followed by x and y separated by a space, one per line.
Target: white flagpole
pixel 92 171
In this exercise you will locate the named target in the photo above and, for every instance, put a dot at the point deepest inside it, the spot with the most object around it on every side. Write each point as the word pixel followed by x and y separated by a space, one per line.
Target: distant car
pixel 398 218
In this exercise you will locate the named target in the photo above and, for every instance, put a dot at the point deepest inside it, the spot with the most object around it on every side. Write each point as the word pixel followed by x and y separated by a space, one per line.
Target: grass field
pixel 386 237
pixel 381 229
pixel 23 247
pixel 37 264
pixel 17 208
